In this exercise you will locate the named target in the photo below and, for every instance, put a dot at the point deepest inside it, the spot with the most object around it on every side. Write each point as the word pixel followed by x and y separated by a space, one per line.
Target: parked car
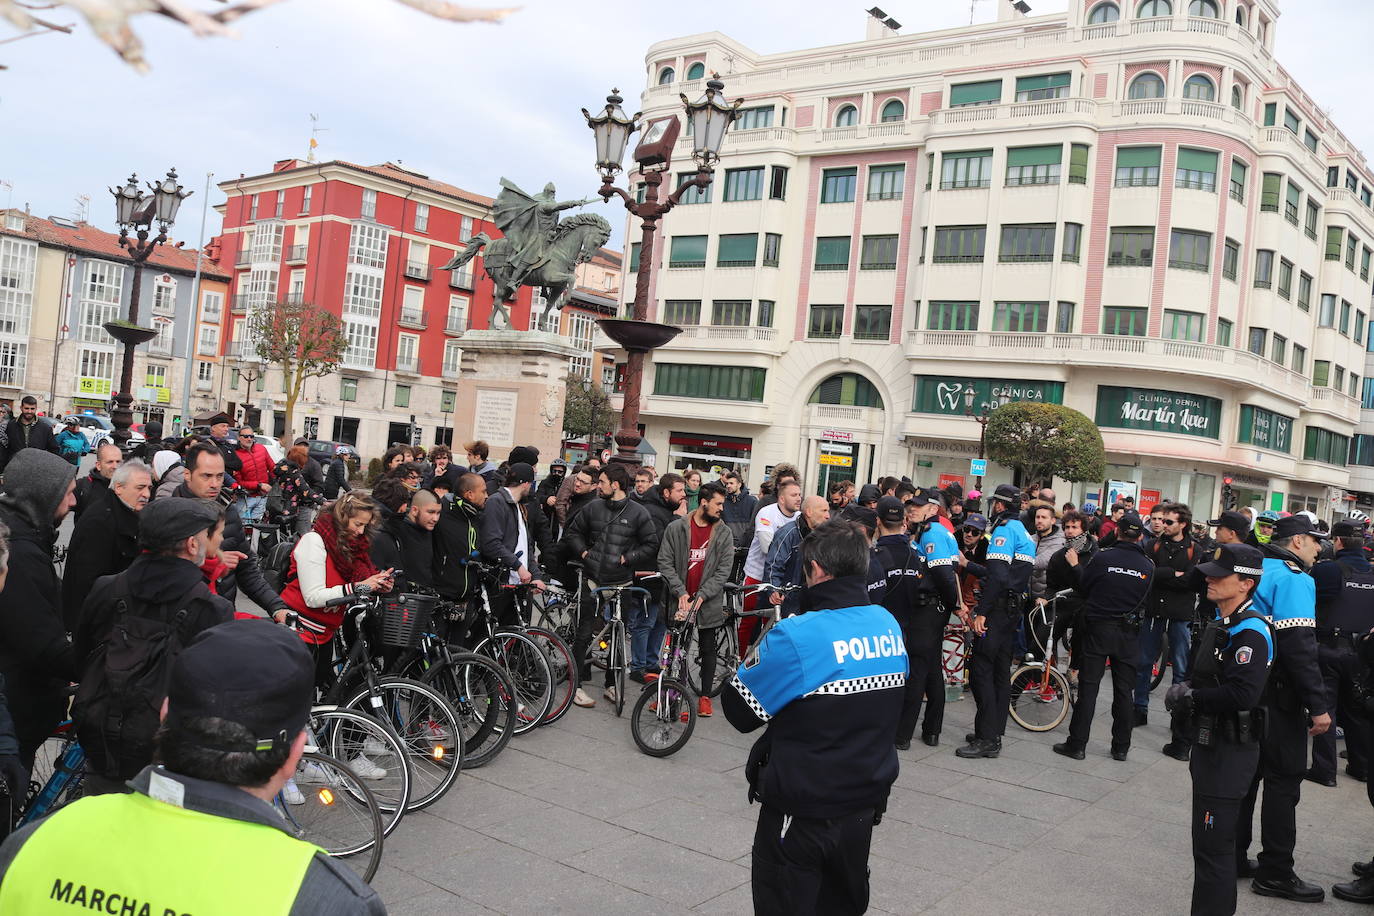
pixel 322 450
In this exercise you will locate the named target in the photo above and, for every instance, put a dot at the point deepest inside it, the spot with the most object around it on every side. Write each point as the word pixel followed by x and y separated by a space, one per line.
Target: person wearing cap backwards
pixel 198 834
pixel 1345 612
pixel 1114 586
pixel 1228 673
pixel 1011 556
pixel 506 536
pixel 176 536
pixel 1295 695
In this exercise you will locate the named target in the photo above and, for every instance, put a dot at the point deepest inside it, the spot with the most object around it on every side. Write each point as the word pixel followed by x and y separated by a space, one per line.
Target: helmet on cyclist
pixel 1269 515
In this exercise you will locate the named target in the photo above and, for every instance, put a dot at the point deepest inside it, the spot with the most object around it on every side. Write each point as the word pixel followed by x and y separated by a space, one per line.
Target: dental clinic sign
pixel 1147 409
pixel 946 395
pixel 1265 429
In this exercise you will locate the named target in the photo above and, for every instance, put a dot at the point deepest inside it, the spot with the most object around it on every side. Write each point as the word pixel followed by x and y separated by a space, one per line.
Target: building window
pixel 369 209
pixel 1021 317
pixel 1154 9
pixel 696 71
pixel 1027 243
pixel 1125 321
pixel 1326 314
pixel 766 313
pixel 1038 88
pixel 885 182
pixel 1358 333
pixel 1313 216
pixel 832 252
pixel 893 111
pixel 1264 269
pixel 305 199
pixel 1223 332
pixel 1078 163
pixel 1344 327
pixel 847 116
pixel 253 208
pixel 1334 236
pixel 959 244
pixel 1073 237
pixel 348 389
pixel 718 383
pixel 1200 89
pixel 1103 13
pixel 1309 140
pixel 744 184
pixel 465 229
pixel 456 321
pixel 1190 250
pixel 963 95
pixel 1352 244
pixel 682 311
pixel 879 252
pixel 772 245
pixel 1137 166
pixel 1299 359
pixel 1132 246
pixel 362 295
pixel 1278 349
pixel 1269 192
pixel 1258 338
pixel 361 352
pixel 754 118
pixel 1063 318
pixel 1197 169
pixel 872 322
pixel 687 251
pixel 1292 203
pixel 1291 121
pixel 738 250
pixel 1030 165
pixel 1365 255
pixel 971 169
pixel 402 395
pixel 1146 86
pixel 1239 172
pixel 1305 291
pixel 367 245
pixel 1285 278
pixel 827 321
pixel 634 256
pixel 1182 325
pixel 211 305
pixel 666 76
pixel 1270 113
pixel 1230 259
pixel 777 183
pixel 693 194
pixel 847 389
pixel 1325 446
pixel 421 218
pixel 453 359
pixel 837 185
pixel 952 316
pixel 1237 97
pixel 165 296
pixel 730 313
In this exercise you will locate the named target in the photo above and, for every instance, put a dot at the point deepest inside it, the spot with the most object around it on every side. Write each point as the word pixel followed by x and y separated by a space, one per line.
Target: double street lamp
pixel 136 212
pixel 982 415
pixel 708 118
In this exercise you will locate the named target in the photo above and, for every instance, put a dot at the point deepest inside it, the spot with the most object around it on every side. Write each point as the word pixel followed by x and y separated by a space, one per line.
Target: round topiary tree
pixel 1044 441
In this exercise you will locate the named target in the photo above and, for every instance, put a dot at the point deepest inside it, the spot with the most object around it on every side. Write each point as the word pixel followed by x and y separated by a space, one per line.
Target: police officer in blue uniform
pixel 1361 890
pixel 938 597
pixel 1011 555
pixel 828 683
pixel 1345 613
pixel 1114 586
pixel 1295 696
pixel 1230 665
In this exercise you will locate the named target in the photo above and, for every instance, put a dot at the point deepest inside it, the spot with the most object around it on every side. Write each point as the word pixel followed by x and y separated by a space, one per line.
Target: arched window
pixel 1237 98
pixel 1200 88
pixel 1153 9
pixel 1104 12
pixel 847 116
pixel 666 76
pixel 847 389
pixel 1146 86
pixel 1240 15
pixel 1204 9
pixel 894 111
pixel 696 71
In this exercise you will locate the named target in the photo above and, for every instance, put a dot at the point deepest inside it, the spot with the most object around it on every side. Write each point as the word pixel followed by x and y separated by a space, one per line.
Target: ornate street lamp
pixel 709 116
pixel 136 212
pixel 982 415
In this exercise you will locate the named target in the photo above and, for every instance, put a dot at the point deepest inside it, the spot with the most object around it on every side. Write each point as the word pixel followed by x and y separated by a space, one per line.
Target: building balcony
pixel 417 270
pixel 456 325
pixel 409 366
pixel 296 254
pixel 204 384
pixel 452 371
pixel 963 118
pixel 716 337
pixel 412 318
pixel 207 348
pixel 243 260
pixel 752 413
pixel 1334 402
pixel 825 416
pixel 210 315
pixel 239 304
pixel 163 350
pixel 242 351
pixel 461 279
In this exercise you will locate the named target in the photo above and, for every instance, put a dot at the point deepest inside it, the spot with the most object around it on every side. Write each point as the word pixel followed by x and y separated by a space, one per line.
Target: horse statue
pixel 537 249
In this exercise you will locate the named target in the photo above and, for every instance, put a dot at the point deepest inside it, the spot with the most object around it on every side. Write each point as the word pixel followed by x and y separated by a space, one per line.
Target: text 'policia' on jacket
pixel 829 685
pixel 1011 557
pixel 1116 582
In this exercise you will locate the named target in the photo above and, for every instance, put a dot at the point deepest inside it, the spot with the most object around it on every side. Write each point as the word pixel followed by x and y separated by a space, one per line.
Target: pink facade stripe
pixel 1100 85
pixel 806 116
pixel 930 101
pixel 1161 67
pixel 904 242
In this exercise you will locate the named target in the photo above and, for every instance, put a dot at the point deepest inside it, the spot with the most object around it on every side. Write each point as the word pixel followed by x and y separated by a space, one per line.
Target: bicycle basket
pixel 405 618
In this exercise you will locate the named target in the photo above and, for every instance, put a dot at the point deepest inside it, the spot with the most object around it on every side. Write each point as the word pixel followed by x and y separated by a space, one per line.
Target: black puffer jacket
pixel 455 541
pixel 247 575
pixel 89 491
pixel 336 479
pixel 1173 597
pixel 105 542
pixel 618 537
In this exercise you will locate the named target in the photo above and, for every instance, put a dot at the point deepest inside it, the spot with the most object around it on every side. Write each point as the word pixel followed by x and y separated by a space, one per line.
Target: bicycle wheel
pixel 373 753
pixel 561 669
pixel 529 671
pixel 553 610
pixel 59 770
pixel 482 693
pixel 427 725
pixel 619 660
pixel 600 648
pixel 1161 663
pixel 335 810
pixel 723 643
pixel 663 717
pixel 954 657
pixel 1039 697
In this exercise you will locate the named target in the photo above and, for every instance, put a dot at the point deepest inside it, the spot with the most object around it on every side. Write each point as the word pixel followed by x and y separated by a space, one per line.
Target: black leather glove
pixel 15 775
pixel 1179 698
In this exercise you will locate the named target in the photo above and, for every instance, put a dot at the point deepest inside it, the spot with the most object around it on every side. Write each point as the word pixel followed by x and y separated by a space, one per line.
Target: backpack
pixel 118 705
pixel 276 563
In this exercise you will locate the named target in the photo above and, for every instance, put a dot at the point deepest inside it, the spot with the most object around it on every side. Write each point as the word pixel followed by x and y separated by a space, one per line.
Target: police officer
pixel 938 597
pixel 1345 612
pixel 1228 672
pixel 1114 586
pixel 1011 554
pixel 1361 890
pixel 1287 597
pixel 828 683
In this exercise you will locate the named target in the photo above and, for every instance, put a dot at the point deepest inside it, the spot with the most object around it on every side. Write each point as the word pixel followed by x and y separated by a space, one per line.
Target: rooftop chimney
pixel 880 25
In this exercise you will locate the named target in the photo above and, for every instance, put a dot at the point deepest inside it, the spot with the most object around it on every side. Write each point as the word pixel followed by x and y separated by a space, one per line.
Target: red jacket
pixel 257 468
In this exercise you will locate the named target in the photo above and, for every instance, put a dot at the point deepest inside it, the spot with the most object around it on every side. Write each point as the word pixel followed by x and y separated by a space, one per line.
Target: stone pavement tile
pixel 917 776
pixel 900 888
pixel 1006 768
pixel 596 795
pixel 437 903
pixel 1155 805
pixel 519 769
pixel 923 847
pixel 1116 882
pixel 731 903
pixel 498 876
pixel 1070 784
pixel 555 833
pixel 1092 832
pixel 394 884
pixel 978 823
pixel 423 834
pixel 675 820
pixel 477 800
pixel 587 895
pixel 726 791
pixel 1020 800
pixel 661 869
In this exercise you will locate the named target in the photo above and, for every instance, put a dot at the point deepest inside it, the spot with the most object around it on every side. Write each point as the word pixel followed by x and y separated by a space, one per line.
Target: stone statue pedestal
pixel 511 389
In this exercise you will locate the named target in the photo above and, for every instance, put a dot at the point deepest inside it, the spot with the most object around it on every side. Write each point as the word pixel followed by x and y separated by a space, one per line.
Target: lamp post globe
pixel 968 398
pixel 168 195
pixel 709 116
pixel 612 128
pixel 128 201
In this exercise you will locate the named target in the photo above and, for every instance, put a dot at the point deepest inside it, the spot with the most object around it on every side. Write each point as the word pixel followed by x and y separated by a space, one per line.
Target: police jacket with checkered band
pixel 1116 581
pixel 1287 596
pixel 941 553
pixel 1011 558
pixel 828 684
pixel 1244 654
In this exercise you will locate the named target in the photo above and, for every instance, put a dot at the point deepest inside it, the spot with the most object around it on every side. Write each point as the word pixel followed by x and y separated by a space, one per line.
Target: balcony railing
pixel 726 332
pixel 296 254
pixel 242 260
pixel 204 384
pixel 417 270
pixel 239 305
pixel 452 370
pixel 412 318
pixel 409 366
pixel 456 325
pixel 207 348
pixel 460 279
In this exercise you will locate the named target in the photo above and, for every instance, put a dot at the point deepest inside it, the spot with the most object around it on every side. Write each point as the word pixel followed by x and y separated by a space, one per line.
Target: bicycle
pixel 366 746
pixel 520 655
pixel 612 644
pixel 59 770
pixel 557 652
pixel 770 613
pixel 1040 693
pixel 722 643
pixel 557 607
pixel 669 702
pixel 955 651
pixel 341 816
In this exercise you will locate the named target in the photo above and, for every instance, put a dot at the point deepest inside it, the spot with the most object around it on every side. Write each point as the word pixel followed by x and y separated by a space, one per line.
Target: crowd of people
pixel 1262 618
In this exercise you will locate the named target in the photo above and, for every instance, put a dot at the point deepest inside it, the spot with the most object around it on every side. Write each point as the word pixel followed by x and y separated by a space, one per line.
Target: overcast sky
pixel 466 104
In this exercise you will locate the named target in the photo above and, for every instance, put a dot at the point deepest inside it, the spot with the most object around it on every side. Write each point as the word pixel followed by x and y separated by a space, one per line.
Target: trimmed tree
pixel 1044 441
pixel 587 411
pixel 301 340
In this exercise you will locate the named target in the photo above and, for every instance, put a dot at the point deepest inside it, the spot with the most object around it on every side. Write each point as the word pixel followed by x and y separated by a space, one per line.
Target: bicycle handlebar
pixel 617 589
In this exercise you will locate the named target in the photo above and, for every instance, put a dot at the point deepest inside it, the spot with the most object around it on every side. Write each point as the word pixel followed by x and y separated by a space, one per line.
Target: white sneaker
pixel 580 698
pixel 292 795
pixel 366 769
pixel 373 747
pixel 610 693
pixel 314 773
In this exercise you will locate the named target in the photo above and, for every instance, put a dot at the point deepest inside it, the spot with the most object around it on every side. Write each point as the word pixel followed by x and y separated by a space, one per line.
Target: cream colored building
pixel 1130 208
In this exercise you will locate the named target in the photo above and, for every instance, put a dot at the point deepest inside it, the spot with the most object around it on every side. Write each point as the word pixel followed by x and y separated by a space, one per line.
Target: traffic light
pixel 1228 495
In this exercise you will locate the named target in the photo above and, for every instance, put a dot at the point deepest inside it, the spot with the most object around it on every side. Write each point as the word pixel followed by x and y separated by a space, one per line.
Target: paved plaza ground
pixel 573 819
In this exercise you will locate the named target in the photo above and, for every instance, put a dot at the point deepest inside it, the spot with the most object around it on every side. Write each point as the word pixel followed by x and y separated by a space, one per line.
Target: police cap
pixel 1234 558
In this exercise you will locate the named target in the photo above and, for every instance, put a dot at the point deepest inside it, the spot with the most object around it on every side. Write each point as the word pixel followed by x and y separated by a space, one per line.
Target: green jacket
pixel 672 563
